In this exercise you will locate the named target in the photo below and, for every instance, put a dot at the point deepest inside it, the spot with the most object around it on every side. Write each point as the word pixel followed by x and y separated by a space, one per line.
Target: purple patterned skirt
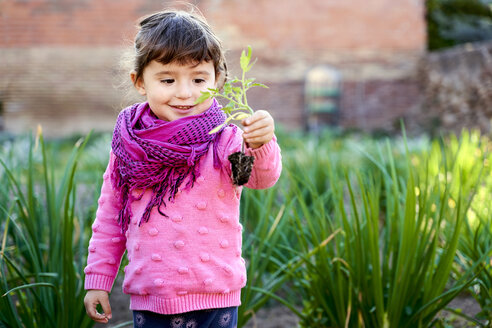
pixel 213 318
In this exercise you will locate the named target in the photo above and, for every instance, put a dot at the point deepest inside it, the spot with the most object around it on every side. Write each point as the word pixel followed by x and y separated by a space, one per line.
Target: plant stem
pixel 244 90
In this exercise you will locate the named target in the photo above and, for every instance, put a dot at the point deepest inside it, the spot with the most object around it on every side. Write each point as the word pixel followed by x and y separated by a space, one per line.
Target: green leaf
pixel 205 95
pixel 259 85
pixel 229 108
pixel 216 129
pixel 245 59
pixel 250 66
pixel 37 284
pixel 124 324
pixel 239 116
pixel 249 81
pixel 227 88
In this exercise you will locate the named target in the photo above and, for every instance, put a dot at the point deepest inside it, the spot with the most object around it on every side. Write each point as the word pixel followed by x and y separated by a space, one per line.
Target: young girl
pixel 167 196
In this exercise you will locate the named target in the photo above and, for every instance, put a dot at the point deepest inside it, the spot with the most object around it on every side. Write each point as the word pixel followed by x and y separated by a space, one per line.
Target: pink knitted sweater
pixel 192 259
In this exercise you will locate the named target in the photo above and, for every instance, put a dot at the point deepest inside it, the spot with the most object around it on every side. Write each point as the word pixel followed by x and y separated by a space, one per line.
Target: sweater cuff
pixel 99 282
pixel 263 151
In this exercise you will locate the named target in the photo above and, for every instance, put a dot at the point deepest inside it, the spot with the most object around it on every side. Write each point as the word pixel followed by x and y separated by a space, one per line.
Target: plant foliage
pixel 452 22
pixel 234 92
pixel 358 232
pixel 43 247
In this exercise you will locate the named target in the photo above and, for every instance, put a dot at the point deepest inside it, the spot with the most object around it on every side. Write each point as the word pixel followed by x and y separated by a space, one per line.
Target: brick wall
pixel 312 25
pixel 60 57
pixel 65 90
pixel 317 25
pixel 81 23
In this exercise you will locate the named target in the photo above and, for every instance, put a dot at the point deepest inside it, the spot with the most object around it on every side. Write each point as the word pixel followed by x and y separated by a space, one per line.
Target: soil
pixel 275 317
pixel 468 305
pixel 241 166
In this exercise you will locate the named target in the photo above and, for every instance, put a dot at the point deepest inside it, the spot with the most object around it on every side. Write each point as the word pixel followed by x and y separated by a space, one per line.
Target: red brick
pixel 60 58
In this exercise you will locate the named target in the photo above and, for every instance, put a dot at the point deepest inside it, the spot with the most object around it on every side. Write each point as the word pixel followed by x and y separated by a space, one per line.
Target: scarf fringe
pixel 173 179
pixel 168 169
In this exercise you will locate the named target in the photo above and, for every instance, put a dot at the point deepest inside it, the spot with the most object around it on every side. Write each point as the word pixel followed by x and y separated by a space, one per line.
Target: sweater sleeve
pixel 267 166
pixel 107 244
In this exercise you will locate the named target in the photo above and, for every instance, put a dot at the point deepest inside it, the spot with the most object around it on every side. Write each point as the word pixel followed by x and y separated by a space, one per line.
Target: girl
pixel 167 196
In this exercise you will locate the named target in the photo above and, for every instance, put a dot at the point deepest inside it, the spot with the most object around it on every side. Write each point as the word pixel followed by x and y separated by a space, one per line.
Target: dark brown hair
pixel 175 35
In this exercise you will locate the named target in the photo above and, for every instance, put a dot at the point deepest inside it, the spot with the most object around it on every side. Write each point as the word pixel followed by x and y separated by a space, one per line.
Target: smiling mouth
pixel 182 107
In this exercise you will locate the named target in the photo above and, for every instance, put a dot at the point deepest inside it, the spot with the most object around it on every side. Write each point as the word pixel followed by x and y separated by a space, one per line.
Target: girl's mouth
pixel 183 108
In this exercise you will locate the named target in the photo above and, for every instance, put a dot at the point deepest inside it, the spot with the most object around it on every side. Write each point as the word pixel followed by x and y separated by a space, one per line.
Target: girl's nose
pixel 184 91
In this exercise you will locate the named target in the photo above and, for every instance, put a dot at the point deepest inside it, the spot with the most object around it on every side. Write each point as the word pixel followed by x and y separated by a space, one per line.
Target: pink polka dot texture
pixel 189 258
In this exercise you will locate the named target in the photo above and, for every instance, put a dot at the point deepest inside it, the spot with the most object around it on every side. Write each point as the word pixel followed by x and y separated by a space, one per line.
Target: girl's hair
pixel 175 35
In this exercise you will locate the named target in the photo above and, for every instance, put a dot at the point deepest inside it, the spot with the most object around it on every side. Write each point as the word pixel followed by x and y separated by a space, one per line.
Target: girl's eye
pixel 167 81
pixel 198 81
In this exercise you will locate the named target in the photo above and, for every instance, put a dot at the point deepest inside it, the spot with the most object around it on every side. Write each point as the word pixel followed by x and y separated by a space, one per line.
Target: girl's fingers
pixel 96 316
pixel 91 300
pixel 258 129
pixel 257 116
pixel 258 125
pixel 257 140
pixel 259 132
pixel 101 318
pixel 106 307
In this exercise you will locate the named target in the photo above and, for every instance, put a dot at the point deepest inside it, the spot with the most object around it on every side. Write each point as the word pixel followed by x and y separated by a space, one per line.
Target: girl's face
pixel 172 89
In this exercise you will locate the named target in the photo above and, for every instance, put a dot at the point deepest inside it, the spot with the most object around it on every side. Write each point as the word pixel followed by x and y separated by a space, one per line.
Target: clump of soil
pixel 241 167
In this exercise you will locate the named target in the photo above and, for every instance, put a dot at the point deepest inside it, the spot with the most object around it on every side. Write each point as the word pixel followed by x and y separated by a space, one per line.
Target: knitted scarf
pixel 158 155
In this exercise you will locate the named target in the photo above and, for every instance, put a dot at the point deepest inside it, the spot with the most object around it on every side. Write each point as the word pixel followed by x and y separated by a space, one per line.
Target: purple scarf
pixel 159 155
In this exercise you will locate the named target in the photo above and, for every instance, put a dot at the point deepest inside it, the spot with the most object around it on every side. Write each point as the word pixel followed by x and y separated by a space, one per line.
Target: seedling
pixel 237 109
pixel 234 91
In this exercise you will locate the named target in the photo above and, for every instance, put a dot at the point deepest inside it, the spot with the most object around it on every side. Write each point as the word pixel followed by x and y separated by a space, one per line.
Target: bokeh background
pixel 367 226
pixel 60 60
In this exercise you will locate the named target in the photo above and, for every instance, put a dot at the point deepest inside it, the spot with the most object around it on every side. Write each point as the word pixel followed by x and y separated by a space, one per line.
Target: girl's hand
pixel 258 129
pixel 92 299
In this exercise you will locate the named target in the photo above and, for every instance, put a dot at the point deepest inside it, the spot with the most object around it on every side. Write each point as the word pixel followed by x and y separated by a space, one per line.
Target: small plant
pixel 237 109
pixel 234 91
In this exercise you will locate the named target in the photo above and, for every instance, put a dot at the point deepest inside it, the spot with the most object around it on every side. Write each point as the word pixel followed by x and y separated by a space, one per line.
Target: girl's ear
pixel 138 84
pixel 219 80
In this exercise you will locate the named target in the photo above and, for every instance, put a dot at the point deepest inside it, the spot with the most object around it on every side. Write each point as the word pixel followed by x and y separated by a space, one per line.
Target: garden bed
pixel 278 316
pixel 392 229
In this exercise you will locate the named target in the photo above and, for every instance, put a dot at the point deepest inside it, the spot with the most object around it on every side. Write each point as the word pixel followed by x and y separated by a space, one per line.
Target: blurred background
pixel 355 69
pixel 358 65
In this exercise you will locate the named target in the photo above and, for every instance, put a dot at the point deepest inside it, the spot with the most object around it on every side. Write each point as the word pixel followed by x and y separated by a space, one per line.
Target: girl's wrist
pixel 254 145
